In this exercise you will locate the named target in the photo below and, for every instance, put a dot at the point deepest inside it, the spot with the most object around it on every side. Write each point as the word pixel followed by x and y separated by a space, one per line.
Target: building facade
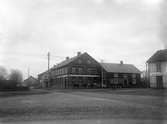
pixel 157 69
pixel 31 82
pixel 83 71
pixel 120 75
pixel 44 79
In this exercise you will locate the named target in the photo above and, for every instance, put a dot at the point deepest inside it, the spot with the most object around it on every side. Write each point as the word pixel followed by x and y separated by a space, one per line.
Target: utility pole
pixel 28 71
pixel 48 60
pixel 147 75
pixel 48 83
pixel 102 74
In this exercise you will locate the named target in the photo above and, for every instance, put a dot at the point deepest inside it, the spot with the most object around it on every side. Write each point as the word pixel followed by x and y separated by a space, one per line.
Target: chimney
pixel 67 58
pixel 78 53
pixel 121 62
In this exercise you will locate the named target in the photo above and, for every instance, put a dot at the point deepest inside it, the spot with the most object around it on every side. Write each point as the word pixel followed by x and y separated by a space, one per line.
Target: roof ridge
pixel 124 68
pixel 63 62
pixel 70 60
pixel 159 55
pixel 116 63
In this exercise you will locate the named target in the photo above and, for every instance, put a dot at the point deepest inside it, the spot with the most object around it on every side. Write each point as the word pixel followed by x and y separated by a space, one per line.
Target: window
pixel 125 76
pixel 62 70
pixel 80 70
pixel 111 81
pixel 115 80
pixel 92 70
pixel 73 70
pixel 133 78
pixel 120 81
pixel 65 70
pixel 89 70
pixel 115 75
pixel 133 75
pixel 134 81
pixel 158 67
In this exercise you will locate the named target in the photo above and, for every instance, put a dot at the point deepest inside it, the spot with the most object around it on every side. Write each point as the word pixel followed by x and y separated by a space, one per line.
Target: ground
pixel 85 106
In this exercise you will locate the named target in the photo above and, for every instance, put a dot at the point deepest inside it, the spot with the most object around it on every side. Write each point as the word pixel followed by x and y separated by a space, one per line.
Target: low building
pixel 31 82
pixel 157 69
pixel 120 75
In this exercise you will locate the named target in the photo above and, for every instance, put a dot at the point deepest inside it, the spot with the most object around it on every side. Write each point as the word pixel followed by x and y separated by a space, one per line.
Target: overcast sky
pixel 112 30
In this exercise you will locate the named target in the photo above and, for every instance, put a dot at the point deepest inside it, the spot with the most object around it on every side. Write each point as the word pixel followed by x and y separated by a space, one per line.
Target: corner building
pixel 81 71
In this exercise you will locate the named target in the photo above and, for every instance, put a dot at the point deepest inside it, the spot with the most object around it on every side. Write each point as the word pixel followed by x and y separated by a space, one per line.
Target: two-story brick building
pixel 157 69
pixel 81 71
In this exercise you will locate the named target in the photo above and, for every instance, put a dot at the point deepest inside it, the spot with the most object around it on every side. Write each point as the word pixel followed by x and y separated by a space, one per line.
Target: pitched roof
pixel 120 68
pixel 31 78
pixel 45 72
pixel 159 56
pixel 66 62
pixel 63 63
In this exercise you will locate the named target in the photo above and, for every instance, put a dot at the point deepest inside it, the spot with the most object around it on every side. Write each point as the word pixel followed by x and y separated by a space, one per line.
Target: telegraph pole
pixel 102 74
pixel 147 75
pixel 28 71
pixel 48 60
pixel 48 83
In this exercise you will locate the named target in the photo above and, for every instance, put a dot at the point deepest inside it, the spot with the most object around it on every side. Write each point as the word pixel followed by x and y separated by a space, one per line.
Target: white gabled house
pixel 157 69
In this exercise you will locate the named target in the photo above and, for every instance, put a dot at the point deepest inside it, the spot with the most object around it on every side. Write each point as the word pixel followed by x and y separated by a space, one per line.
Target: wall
pixel 153 73
pixel 122 76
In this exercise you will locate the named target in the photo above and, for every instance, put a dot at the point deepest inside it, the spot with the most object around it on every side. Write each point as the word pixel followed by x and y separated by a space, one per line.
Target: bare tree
pixel 16 76
pixel 3 73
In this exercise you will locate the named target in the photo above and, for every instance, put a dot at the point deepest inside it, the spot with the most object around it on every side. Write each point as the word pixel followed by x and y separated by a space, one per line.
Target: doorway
pixel 159 80
pixel 125 83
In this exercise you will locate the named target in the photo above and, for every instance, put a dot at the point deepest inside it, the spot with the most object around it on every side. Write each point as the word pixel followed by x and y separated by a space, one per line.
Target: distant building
pixel 44 79
pixel 31 82
pixel 83 71
pixel 120 75
pixel 157 69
